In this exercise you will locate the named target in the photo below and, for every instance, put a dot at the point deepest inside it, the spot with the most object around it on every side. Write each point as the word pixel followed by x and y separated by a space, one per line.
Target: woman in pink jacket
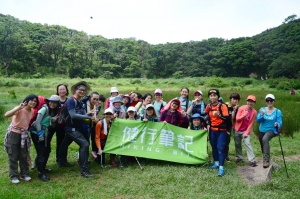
pixel 245 118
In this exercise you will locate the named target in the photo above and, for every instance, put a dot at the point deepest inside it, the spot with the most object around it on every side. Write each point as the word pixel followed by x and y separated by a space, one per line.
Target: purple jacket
pixel 174 118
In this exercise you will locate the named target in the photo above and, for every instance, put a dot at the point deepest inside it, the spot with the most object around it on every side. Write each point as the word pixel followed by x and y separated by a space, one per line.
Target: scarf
pixel 197 127
pixel 104 127
pixel 202 107
pixel 150 118
pixel 25 139
pixel 117 110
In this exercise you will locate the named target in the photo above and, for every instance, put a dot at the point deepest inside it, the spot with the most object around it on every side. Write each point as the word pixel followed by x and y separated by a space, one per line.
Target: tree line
pixel 36 50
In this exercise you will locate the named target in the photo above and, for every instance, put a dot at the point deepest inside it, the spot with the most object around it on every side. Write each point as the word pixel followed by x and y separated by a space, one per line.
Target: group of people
pixel 77 118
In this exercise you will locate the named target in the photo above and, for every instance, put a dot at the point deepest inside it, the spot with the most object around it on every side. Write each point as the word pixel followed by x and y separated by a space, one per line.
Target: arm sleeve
pixel 241 115
pixel 162 116
pixel 39 118
pixel 97 135
pixel 76 116
pixel 189 111
pixel 279 118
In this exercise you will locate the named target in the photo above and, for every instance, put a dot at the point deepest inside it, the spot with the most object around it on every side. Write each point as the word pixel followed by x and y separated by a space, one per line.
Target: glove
pixel 41 133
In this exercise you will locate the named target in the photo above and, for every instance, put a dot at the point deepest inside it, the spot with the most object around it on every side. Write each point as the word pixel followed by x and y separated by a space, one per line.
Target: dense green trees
pixel 28 49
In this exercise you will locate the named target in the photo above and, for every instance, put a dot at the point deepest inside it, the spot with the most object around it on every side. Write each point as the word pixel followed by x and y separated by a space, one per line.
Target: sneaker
pixel 238 160
pixel 221 172
pixel 266 164
pixel 15 180
pixel 87 174
pixel 214 166
pixel 253 164
pixel 66 164
pixel 25 178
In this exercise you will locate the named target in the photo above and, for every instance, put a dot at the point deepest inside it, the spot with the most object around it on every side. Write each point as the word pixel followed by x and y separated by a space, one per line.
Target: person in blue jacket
pixel 270 119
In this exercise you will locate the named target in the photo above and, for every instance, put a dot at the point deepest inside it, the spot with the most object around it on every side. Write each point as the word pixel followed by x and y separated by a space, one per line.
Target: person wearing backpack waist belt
pixel 158 103
pixel 75 114
pixel 232 111
pixel 46 118
pixel 218 114
pixel 270 119
pixel 173 114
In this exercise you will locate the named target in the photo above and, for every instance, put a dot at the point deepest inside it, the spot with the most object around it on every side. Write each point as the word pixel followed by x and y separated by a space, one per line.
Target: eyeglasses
pixel 269 100
pixel 82 90
pixel 175 104
pixel 95 99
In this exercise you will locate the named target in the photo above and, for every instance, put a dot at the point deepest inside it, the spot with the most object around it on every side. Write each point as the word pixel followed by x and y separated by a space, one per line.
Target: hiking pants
pixel 238 138
pixel 227 145
pixel 16 155
pixel 77 137
pixel 218 142
pixel 264 139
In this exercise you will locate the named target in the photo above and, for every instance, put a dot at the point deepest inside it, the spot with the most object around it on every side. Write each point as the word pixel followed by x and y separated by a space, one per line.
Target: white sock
pixel 217 163
pixel 221 167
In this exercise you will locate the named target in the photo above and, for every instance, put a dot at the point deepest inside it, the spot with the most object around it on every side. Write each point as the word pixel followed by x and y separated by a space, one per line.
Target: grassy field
pixel 159 179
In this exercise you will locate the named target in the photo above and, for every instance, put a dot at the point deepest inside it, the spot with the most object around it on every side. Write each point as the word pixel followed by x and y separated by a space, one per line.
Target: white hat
pixel 270 96
pixel 108 110
pixel 149 106
pixel 158 91
pixel 131 108
pixel 198 91
pixel 114 90
pixel 54 98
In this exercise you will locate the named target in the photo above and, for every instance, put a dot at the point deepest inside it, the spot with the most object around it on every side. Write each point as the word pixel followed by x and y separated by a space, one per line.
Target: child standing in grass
pixel 245 118
pixel 17 140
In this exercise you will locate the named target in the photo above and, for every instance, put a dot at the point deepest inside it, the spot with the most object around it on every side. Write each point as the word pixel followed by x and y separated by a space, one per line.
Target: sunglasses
pixel 108 113
pixel 269 100
pixel 95 99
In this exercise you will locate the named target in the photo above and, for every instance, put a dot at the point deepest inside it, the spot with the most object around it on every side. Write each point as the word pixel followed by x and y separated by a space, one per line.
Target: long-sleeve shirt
pixel 243 114
pixel 173 117
pixel 267 121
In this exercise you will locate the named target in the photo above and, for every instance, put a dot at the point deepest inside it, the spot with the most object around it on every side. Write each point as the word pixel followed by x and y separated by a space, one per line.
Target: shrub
pixel 283 85
pixel 216 82
pixel 37 75
pixel 12 94
pixel 2 111
pixel 155 82
pixel 248 81
pixel 136 81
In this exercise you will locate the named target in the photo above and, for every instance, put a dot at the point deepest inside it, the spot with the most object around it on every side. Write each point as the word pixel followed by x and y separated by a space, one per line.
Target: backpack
pixel 42 100
pixel 62 115
pixel 225 121
pixel 161 105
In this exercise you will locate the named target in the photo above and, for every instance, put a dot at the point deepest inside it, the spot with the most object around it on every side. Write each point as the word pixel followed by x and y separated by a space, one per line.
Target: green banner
pixel 157 140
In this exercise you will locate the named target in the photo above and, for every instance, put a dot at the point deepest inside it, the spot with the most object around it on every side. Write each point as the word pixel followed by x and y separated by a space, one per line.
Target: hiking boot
pixel 33 166
pixel 221 172
pixel 227 159
pixel 15 180
pixel 87 174
pixel 253 164
pixel 214 166
pixel 47 170
pixel 112 163
pixel 238 160
pixel 66 164
pixel 25 178
pixel 266 164
pixel 43 177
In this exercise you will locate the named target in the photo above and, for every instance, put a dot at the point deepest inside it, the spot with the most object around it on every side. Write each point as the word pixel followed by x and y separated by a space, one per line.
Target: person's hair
pixel 139 95
pixel 128 103
pixel 192 124
pixel 31 97
pixel 135 115
pixel 102 98
pixel 53 112
pixel 64 86
pixel 146 95
pixel 235 96
pixel 154 113
pixel 188 90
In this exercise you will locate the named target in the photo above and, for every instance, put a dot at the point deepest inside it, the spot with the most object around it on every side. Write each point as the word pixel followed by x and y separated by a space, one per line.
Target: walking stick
pixel 287 175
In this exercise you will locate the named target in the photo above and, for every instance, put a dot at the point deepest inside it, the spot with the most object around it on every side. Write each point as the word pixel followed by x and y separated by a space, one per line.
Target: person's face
pixel 125 100
pixel 174 106
pixel 117 104
pixel 213 98
pixel 134 97
pixel 196 122
pixel 62 91
pixel 53 105
pixel 198 96
pixel 94 99
pixel 131 114
pixel 184 93
pixel 114 94
pixel 250 104
pixel 32 103
pixel 148 99
pixel 108 116
pixel 150 111
pixel 270 102
pixel 158 96
pixel 234 101
pixel 81 92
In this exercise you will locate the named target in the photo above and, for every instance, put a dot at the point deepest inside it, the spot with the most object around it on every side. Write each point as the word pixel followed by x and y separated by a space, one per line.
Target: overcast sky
pixel 157 21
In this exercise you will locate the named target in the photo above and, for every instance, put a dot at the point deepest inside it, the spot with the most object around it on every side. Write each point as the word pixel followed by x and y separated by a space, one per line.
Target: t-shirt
pixel 267 121
pixel 157 107
pixel 21 119
pixel 183 103
pixel 79 109
pixel 246 121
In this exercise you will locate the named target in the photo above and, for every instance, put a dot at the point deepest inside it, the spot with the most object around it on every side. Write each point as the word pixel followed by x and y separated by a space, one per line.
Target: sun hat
pixel 131 108
pixel 159 91
pixel 251 97
pixel 108 110
pixel 117 99
pixel 84 83
pixel 270 96
pixel 149 106
pixel 53 98
pixel 126 95
pixel 114 90
pixel 198 91
pixel 215 91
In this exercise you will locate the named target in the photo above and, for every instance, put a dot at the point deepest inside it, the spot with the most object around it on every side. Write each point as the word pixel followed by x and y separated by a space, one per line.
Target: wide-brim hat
pixel 194 116
pixel 53 98
pixel 117 99
pixel 88 88
pixel 114 90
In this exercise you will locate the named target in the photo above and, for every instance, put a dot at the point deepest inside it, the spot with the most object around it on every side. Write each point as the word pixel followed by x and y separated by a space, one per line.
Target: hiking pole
pixel 101 163
pixel 287 175
pixel 121 163
pixel 139 163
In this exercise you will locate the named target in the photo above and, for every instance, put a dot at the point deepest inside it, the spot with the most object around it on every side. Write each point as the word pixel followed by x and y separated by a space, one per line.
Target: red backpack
pixel 42 100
